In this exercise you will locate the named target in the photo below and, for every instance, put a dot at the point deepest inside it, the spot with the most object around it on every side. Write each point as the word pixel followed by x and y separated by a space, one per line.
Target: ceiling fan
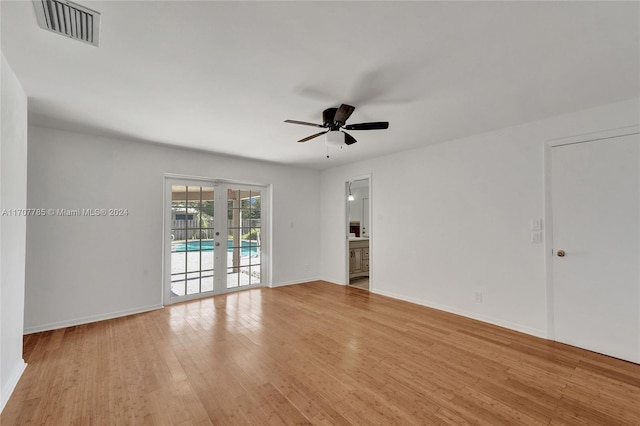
pixel 334 120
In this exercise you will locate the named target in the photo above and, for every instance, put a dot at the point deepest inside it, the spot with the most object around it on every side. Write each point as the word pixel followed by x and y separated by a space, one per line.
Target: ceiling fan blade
pixel 343 113
pixel 308 138
pixel 377 125
pixel 348 139
pixel 304 123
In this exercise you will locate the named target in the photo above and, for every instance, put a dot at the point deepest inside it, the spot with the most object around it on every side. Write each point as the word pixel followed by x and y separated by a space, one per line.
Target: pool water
pixel 207 245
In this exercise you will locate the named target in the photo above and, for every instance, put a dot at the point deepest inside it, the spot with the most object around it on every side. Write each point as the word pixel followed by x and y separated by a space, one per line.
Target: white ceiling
pixel 222 76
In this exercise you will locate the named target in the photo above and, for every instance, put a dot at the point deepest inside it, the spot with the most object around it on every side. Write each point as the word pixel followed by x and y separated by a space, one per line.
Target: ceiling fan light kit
pixel 335 138
pixel 334 120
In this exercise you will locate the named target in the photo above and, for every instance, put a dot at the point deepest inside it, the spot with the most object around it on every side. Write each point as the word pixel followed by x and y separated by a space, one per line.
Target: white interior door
pixel 596 245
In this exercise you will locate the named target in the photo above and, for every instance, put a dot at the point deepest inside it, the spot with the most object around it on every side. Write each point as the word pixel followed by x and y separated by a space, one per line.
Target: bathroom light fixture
pixel 350 197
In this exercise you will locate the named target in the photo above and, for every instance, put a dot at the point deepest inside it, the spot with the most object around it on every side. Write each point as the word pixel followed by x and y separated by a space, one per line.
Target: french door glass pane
pixel 207 282
pixel 192 223
pixel 193 238
pixel 243 234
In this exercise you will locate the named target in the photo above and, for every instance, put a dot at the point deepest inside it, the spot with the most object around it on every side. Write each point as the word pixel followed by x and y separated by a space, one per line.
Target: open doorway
pixel 358 196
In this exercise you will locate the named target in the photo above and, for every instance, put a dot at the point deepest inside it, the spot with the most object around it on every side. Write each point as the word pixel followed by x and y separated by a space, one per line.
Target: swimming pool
pixel 207 245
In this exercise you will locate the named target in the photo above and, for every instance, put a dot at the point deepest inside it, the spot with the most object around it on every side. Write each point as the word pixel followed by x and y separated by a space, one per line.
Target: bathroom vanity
pixel 358 257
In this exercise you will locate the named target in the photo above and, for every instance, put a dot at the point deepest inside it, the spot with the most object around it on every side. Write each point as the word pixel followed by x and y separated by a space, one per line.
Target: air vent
pixel 68 19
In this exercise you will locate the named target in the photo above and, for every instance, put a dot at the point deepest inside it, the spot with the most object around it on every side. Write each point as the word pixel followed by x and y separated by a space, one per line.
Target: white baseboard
pixel 302 281
pixel 86 320
pixel 10 386
pixel 506 324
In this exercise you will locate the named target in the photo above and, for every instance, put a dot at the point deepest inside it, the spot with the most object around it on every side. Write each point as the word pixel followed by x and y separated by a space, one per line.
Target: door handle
pixel 561 253
pixel 217 244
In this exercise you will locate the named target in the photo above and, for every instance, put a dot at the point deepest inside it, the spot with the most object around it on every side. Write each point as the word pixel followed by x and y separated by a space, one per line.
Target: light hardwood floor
pixel 313 353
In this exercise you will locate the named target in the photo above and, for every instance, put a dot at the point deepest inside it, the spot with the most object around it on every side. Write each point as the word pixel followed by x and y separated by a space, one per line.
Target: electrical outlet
pixel 536 224
pixel 536 237
pixel 478 297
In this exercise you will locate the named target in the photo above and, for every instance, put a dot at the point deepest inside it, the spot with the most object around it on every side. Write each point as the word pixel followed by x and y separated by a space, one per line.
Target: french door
pixel 213 238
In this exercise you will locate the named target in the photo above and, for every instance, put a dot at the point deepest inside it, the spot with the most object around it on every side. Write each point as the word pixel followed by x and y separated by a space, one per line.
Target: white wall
pixel 13 195
pixel 472 201
pixel 81 269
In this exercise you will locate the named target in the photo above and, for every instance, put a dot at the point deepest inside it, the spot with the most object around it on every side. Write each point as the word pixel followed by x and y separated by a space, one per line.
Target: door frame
pixel 220 184
pixel 548 208
pixel 345 256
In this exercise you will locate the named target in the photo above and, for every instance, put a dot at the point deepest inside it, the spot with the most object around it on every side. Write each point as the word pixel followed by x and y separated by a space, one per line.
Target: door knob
pixel 218 245
pixel 561 253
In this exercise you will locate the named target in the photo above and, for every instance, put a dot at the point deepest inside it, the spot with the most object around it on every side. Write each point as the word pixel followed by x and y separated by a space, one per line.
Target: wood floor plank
pixel 314 353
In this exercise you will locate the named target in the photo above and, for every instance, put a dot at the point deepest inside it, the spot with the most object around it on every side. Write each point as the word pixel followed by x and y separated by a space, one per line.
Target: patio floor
pixel 198 271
